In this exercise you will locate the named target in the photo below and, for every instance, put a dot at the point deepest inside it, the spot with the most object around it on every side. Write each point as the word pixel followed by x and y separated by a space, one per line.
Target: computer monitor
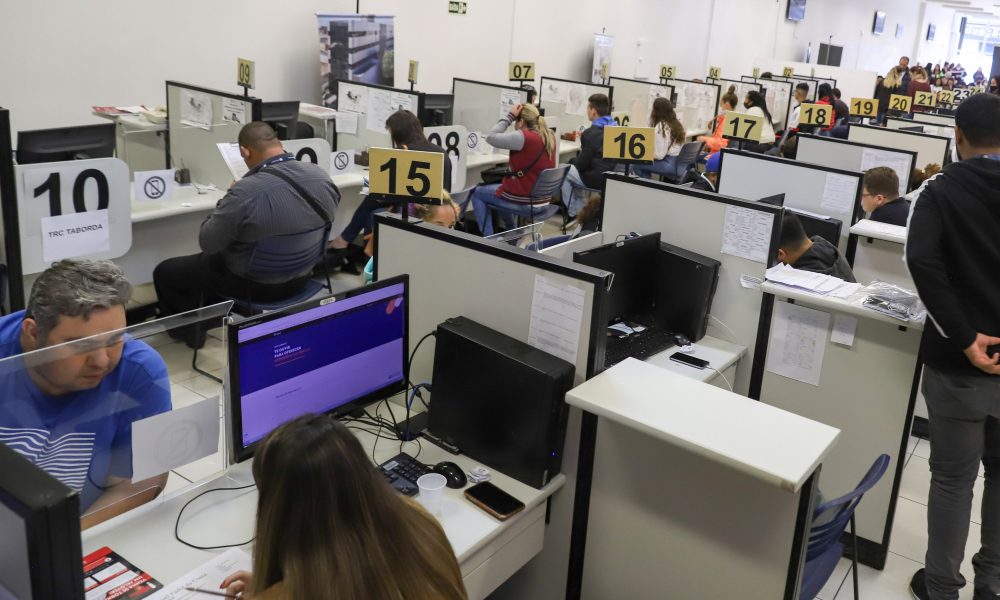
pixel 826 227
pixel 282 116
pixel 437 110
pixel 330 355
pixel 632 290
pixel 66 143
pixel 41 555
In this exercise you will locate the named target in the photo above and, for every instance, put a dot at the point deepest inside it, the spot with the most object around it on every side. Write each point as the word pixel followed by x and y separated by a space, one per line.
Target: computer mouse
pixel 452 472
pixel 681 340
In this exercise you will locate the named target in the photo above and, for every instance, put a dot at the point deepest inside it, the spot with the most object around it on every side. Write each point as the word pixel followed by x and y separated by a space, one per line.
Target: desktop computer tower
pixel 499 401
pixel 686 284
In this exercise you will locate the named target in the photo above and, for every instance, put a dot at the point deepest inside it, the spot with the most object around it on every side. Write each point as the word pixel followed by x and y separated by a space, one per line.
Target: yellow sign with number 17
pixel 743 126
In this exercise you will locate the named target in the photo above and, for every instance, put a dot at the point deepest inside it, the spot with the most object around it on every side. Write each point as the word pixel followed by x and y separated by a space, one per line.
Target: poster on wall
pixel 355 48
pixel 604 46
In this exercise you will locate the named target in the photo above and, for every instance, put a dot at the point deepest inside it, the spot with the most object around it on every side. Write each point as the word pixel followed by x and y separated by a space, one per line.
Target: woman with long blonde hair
pixel 891 84
pixel 330 527
pixel 533 149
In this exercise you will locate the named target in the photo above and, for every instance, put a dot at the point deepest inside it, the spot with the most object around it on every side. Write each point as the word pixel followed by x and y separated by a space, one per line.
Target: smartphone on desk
pixel 691 361
pixel 493 500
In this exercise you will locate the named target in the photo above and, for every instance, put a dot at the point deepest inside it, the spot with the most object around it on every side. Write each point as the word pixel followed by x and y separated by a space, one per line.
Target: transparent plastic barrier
pixel 120 415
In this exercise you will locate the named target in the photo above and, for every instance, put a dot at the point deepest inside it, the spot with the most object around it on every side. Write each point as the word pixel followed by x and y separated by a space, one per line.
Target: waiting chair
pixel 686 159
pixel 830 519
pixel 280 255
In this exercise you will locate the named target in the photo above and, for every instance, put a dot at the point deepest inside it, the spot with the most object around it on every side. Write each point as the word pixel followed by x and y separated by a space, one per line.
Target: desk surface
pixel 775 446
pixel 836 304
pixel 720 355
pixel 145 536
pixel 879 231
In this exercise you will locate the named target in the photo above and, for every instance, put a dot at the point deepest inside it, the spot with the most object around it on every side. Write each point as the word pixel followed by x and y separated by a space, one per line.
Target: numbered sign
pixel 787 72
pixel 816 114
pixel 605 68
pixel 314 150
pixel 927 99
pixel 629 143
pixel 521 71
pixel 864 107
pixel 946 97
pixel 453 139
pixel 742 126
pixel 978 89
pixel 962 94
pixel 406 174
pixel 244 73
pixel 714 73
pixel 411 75
pixel 668 71
pixel 756 72
pixel 900 103
pixel 73 209
pixel 621 119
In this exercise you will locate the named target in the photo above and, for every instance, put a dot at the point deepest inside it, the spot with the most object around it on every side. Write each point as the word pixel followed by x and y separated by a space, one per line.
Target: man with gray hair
pixel 70 409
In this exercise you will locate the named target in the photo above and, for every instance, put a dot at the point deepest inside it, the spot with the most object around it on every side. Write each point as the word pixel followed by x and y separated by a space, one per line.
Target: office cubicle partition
pixel 934 119
pixel 697 104
pixel 478 105
pixel 11 227
pixel 636 98
pixel 855 156
pixel 372 104
pixel 812 83
pixel 740 88
pixel 813 188
pixel 567 100
pixel 913 125
pixel 929 148
pixel 779 96
pixel 198 119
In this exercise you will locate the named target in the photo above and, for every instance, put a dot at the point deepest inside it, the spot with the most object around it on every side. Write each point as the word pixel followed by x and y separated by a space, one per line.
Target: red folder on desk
pixel 108 576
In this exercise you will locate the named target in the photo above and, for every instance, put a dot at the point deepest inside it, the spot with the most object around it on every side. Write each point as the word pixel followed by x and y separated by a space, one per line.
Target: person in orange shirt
pixel 716 142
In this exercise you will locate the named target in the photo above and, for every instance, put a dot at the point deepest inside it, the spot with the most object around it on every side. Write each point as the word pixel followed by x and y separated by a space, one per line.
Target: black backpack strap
pixel 309 198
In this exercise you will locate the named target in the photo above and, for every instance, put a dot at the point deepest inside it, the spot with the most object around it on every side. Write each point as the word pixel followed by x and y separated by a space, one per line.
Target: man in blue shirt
pixel 68 403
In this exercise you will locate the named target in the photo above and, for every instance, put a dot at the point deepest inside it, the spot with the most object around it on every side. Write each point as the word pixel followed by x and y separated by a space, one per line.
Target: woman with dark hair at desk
pixel 329 526
pixel 755 104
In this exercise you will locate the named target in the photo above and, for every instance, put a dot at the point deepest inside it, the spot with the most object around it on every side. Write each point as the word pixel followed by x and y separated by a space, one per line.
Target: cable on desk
pixel 735 339
pixel 177 523
pixel 729 385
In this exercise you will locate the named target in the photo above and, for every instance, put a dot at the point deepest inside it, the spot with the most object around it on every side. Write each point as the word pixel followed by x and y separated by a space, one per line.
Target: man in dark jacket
pixel 590 163
pixel 813 254
pixel 953 254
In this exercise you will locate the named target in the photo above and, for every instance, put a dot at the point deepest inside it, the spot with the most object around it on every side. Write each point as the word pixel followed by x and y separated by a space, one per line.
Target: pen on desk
pixel 210 592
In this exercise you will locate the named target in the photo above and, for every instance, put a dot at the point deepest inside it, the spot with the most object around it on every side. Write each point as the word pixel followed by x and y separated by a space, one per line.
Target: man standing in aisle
pixel 953 254
pixel 904 68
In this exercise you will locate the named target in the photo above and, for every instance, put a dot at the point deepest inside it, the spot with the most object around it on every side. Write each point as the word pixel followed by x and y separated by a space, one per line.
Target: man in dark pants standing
pixel 953 254
pixel 278 196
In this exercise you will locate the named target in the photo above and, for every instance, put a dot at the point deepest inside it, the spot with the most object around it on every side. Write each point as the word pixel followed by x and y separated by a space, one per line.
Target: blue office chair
pixel 276 256
pixel 830 519
pixel 686 159
pixel 548 185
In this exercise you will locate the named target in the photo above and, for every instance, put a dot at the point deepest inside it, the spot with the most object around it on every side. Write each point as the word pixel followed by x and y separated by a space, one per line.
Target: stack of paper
pixel 814 283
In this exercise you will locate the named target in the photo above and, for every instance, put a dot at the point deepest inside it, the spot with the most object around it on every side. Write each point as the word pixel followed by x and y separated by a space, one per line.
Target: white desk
pixel 720 354
pixel 688 477
pixel 488 551
pixel 879 253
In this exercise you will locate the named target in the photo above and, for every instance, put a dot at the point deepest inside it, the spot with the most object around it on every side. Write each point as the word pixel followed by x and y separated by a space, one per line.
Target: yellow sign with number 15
pixel 406 174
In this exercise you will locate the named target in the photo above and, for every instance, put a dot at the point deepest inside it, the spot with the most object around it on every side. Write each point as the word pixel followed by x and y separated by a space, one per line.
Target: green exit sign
pixel 457 8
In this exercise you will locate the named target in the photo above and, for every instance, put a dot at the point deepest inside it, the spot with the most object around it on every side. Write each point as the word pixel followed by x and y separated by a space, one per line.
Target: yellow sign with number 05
pixel 629 143
pixel 864 107
pixel 668 71
pixel 816 114
pixel 521 71
pixel 927 99
pixel 418 176
pixel 743 126
pixel 900 103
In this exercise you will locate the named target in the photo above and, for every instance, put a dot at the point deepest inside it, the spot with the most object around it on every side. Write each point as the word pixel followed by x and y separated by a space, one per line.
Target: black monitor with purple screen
pixel 331 355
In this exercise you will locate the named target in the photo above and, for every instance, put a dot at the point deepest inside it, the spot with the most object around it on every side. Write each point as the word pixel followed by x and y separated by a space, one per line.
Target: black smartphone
pixel 493 500
pixel 691 361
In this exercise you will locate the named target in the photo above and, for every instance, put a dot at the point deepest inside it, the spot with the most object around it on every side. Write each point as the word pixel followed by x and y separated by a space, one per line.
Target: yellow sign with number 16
pixel 629 143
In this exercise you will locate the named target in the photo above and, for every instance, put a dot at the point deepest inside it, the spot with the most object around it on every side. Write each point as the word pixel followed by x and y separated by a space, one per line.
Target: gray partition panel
pixel 855 156
pixel 373 104
pixel 477 105
pixel 197 120
pixel 934 119
pixel 813 188
pixel 697 105
pixel 929 148
pixel 780 98
pixel 567 100
pixel 926 127
pixel 812 83
pixel 696 221
pixel 636 98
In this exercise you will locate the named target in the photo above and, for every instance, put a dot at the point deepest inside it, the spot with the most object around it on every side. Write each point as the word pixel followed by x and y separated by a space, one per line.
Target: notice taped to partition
pixel 75 235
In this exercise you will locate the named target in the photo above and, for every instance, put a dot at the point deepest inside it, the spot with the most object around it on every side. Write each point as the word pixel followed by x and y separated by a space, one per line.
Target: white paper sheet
pixel 401 101
pixel 196 109
pixel 844 328
pixel 798 342
pixel 556 318
pixel 353 98
pixel 556 91
pixel 175 438
pixel 839 192
pixel 235 111
pixel 750 282
pixel 379 109
pixel 74 235
pixel 508 100
pixel 347 122
pixel 747 233
pixel 341 162
pixel 206 577
pixel 880 158
pixel 154 186
pixel 234 160
pixel 576 100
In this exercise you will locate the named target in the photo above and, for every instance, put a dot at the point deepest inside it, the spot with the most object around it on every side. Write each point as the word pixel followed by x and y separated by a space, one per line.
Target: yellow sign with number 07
pixel 406 174
pixel 521 71
pixel 742 126
pixel 629 143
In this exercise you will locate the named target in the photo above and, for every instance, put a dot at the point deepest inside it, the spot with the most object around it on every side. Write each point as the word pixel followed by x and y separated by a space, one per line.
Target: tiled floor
pixel 909 539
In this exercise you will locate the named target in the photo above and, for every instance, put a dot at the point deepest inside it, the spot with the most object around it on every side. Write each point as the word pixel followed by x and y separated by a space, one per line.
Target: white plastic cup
pixel 431 488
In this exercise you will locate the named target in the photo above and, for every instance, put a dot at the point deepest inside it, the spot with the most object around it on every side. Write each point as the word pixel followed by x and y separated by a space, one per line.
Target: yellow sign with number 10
pixel 629 143
pixel 407 174
pixel 864 107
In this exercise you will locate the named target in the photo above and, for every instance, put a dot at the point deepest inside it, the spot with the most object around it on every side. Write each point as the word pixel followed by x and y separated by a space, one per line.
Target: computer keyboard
pixel 640 345
pixel 402 471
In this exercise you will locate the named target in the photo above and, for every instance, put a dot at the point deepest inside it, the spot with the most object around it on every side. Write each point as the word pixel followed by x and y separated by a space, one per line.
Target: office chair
pixel 686 159
pixel 280 255
pixel 830 519
pixel 548 184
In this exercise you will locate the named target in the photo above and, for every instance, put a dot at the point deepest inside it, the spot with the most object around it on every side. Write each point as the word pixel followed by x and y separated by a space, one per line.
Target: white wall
pixel 944 21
